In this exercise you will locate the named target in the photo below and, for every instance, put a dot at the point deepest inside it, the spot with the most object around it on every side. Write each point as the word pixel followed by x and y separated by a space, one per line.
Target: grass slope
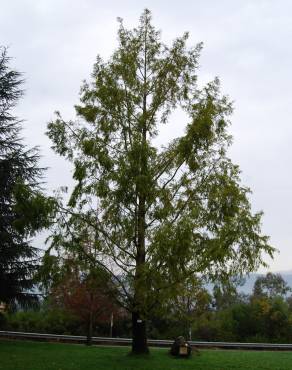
pixel 21 355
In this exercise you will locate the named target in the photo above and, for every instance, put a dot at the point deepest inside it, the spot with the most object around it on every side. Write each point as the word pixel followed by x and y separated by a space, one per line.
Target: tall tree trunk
pixel 138 323
pixel 139 344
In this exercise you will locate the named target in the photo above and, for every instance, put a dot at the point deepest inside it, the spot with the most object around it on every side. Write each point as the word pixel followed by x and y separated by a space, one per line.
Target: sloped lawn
pixel 24 355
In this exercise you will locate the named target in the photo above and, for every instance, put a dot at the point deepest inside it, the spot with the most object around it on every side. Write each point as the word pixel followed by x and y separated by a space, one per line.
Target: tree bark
pixel 139 343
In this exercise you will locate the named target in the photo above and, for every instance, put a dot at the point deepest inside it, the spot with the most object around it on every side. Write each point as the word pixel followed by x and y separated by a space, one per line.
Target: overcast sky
pixel 247 43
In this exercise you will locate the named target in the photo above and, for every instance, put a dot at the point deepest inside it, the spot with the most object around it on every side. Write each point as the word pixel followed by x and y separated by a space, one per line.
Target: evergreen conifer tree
pixel 23 207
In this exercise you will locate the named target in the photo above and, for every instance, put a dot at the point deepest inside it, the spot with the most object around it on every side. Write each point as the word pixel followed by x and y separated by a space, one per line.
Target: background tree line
pixel 219 314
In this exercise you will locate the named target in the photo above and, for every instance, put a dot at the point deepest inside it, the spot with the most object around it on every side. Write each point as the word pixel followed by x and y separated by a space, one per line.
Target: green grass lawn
pixel 22 355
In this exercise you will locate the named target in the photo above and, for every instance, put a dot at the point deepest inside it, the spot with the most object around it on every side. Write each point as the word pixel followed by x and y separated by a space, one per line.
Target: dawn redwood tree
pixel 23 207
pixel 161 214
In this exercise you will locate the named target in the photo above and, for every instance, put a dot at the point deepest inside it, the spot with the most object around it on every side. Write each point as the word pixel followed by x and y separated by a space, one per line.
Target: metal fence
pixel 151 342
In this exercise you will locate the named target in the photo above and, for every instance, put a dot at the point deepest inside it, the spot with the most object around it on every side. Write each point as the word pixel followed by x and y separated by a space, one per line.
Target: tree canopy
pixel 271 285
pixel 160 215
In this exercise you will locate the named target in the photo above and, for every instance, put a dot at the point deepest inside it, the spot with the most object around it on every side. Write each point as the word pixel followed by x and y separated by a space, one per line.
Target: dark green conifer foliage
pixel 23 207
pixel 161 215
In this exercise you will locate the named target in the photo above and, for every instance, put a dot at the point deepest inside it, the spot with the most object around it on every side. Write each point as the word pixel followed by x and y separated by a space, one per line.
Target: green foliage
pixel 58 320
pixel 262 317
pixel 271 285
pixel 232 317
pixel 44 321
pixel 24 209
pixel 225 292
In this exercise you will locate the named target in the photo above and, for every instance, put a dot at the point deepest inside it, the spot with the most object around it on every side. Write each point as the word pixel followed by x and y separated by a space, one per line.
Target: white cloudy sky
pixel 247 44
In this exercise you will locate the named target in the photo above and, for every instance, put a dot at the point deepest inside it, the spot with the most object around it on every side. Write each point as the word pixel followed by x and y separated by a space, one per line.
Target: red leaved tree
pixel 89 296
